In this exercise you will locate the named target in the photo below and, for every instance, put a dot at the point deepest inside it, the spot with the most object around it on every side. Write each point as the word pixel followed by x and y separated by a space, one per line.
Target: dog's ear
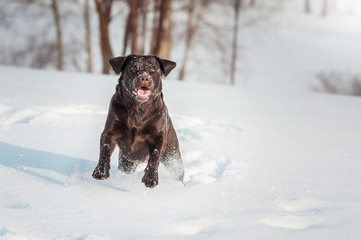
pixel 117 64
pixel 166 65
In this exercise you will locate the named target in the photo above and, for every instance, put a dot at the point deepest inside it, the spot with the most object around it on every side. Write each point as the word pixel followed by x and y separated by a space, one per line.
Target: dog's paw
pixel 101 172
pixel 150 178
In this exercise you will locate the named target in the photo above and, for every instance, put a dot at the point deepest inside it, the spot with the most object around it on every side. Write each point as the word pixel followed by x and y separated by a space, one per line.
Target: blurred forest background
pixel 81 35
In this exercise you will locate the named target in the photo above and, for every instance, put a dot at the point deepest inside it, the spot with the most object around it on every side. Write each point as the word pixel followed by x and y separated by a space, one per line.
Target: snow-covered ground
pixel 267 159
pixel 259 164
pixel 288 48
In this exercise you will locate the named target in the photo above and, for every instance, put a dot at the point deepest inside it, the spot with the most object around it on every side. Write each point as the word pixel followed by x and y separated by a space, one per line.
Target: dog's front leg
pixel 107 145
pixel 150 178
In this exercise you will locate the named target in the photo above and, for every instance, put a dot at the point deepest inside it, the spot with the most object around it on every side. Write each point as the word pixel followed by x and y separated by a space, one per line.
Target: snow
pixel 293 47
pixel 259 164
pixel 266 159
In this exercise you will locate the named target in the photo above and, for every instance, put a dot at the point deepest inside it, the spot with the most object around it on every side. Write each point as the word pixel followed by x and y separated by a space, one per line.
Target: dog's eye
pixel 152 70
pixel 133 69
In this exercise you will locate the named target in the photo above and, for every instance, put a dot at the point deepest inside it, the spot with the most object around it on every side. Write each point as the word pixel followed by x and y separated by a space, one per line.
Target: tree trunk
pixel 190 31
pixel 144 14
pixel 156 7
pixel 253 3
pixel 126 35
pixel 59 41
pixel 237 6
pixel 134 24
pixel 167 40
pixel 104 10
pixel 89 67
pixel 164 6
pixel 131 30
pixel 324 8
pixel 307 6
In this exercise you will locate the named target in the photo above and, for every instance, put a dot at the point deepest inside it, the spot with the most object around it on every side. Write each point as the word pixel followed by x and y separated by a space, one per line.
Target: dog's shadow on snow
pixel 45 165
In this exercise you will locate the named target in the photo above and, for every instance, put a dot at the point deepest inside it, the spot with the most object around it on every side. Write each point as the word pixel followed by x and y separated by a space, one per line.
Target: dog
pixel 138 121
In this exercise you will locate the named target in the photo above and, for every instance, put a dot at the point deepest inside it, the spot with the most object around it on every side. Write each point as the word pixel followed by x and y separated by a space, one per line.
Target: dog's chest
pixel 133 146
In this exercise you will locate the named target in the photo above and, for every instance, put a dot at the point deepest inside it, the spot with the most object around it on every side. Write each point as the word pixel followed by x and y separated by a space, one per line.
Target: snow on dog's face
pixel 141 75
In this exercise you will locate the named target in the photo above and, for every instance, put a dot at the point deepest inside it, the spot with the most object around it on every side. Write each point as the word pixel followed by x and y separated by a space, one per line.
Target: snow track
pixel 202 167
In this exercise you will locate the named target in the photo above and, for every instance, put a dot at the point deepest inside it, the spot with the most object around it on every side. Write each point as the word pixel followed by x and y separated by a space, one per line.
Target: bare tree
pixel 126 34
pixel 307 6
pixel 59 41
pixel 192 26
pixel 89 63
pixel 339 83
pixel 324 11
pixel 104 9
pixel 156 6
pixel 143 29
pixel 60 50
pixel 131 29
pixel 134 5
pixel 163 35
pixel 162 41
pixel 167 39
pixel 237 7
pixel 135 31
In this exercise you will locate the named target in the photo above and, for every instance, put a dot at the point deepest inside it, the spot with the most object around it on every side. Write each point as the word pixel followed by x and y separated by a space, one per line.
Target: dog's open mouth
pixel 142 93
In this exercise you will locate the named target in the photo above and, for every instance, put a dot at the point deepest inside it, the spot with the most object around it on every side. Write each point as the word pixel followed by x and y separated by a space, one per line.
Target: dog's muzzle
pixel 143 89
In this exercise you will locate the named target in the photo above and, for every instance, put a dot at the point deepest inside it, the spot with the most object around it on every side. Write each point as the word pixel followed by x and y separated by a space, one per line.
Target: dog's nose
pixel 144 80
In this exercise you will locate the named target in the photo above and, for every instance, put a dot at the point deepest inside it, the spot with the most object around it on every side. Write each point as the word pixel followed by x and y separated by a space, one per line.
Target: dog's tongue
pixel 143 92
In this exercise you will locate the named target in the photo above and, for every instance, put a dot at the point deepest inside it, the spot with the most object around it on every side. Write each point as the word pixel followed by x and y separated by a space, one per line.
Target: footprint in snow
pixel 12 202
pixel 305 214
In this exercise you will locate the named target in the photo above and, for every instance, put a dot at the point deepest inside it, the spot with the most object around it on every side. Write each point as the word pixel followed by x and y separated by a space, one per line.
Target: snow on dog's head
pixel 141 76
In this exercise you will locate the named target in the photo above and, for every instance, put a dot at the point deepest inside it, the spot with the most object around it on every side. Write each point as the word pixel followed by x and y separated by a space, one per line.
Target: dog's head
pixel 141 75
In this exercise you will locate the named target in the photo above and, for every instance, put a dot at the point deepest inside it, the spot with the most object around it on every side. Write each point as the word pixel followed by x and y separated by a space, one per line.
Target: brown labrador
pixel 138 121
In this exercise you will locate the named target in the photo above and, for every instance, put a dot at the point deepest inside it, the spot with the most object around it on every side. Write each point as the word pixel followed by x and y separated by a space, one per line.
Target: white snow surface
pixel 259 164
